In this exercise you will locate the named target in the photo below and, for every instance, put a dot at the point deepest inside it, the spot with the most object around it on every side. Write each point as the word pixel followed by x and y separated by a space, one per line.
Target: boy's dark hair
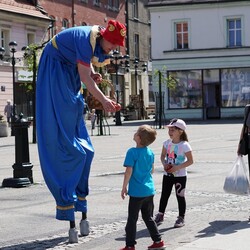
pixel 147 135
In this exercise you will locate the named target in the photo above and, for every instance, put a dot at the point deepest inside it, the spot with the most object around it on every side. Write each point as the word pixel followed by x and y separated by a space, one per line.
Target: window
pixel 117 4
pixel 97 3
pixel 135 9
pixel 30 38
pixel 234 32
pixel 136 46
pixel 235 87
pixel 65 23
pixel 181 31
pixel 5 39
pixel 187 92
pixel 149 48
pixel 114 5
pixel 52 30
pixel 151 96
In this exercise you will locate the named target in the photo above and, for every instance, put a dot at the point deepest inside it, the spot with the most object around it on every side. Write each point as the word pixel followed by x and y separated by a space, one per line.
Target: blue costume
pixel 64 146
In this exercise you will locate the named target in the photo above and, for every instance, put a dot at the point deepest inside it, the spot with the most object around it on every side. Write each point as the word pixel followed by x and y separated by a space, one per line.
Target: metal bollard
pixel 22 168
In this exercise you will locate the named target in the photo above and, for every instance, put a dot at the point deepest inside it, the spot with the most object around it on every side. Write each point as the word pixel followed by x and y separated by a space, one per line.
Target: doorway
pixel 211 101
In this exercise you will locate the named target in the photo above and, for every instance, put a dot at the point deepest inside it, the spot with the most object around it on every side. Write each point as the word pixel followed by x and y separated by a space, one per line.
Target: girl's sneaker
pixel 157 246
pixel 128 248
pixel 159 218
pixel 179 222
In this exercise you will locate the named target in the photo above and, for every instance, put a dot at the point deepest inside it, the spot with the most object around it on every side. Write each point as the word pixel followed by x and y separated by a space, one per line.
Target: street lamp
pixel 141 96
pixel 117 60
pixel 22 168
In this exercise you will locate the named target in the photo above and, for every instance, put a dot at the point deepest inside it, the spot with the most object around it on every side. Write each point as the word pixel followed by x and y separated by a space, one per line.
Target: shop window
pixel 187 92
pixel 235 87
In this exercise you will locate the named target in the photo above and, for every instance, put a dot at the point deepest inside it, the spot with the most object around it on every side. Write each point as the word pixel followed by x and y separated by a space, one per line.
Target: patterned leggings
pixel 167 184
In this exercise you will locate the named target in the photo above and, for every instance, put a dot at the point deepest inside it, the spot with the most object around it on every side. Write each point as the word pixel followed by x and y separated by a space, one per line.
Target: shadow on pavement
pixel 38 245
pixel 217 226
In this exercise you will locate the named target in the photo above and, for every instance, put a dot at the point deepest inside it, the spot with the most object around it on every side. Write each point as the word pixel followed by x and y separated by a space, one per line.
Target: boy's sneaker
pixel 159 218
pixel 179 222
pixel 73 235
pixel 84 227
pixel 128 248
pixel 157 246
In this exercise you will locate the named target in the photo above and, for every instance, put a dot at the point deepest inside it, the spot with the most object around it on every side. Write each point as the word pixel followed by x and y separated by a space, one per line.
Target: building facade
pixel 205 47
pixel 23 23
pixel 62 14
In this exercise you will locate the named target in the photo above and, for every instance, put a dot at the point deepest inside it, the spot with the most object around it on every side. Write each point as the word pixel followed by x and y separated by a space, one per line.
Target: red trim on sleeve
pixel 83 63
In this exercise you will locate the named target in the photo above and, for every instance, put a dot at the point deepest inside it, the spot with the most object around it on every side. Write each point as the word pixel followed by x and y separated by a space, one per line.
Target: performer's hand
pixel 109 105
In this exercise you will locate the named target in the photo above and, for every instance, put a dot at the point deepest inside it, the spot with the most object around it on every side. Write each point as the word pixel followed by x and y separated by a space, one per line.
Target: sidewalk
pixel 235 237
pixel 215 220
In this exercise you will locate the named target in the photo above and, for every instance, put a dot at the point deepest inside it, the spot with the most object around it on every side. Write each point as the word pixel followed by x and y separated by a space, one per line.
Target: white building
pixel 205 46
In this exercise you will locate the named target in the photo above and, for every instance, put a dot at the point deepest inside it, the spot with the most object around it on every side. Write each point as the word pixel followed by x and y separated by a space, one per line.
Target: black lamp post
pixel 141 98
pixel 117 61
pixel 22 168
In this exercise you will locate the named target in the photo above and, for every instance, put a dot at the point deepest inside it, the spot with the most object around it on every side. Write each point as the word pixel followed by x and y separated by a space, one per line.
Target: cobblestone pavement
pixel 27 214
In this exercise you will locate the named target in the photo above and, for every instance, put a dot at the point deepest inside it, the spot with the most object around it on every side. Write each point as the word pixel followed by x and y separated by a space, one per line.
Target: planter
pixel 4 129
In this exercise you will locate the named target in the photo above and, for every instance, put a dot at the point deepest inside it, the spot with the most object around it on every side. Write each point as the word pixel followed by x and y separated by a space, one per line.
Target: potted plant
pixel 3 127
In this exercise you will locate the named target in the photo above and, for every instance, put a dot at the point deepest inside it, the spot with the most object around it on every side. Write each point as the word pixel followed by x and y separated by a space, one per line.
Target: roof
pixel 22 7
pixel 182 2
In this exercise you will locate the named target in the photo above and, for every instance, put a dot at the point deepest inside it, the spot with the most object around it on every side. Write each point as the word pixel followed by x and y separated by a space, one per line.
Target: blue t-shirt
pixel 141 183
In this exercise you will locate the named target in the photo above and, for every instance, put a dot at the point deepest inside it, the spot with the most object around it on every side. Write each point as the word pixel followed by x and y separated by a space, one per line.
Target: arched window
pixel 65 23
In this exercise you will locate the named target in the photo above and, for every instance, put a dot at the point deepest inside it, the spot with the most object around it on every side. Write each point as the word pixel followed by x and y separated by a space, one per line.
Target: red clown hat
pixel 115 33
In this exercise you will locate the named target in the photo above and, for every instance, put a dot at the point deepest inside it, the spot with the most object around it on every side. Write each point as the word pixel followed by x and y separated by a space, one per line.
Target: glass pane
pixel 185 27
pixel 231 24
pixel 235 87
pixel 238 24
pixel 185 40
pixel 231 38
pixel 238 38
pixel 178 27
pixel 179 41
pixel 188 89
pixel 211 76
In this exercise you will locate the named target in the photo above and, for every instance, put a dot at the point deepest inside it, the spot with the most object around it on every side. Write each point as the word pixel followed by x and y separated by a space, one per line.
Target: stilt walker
pixel 64 145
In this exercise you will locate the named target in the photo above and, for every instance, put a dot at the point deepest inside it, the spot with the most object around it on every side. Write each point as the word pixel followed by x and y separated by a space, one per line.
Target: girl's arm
pixel 127 175
pixel 163 156
pixel 185 164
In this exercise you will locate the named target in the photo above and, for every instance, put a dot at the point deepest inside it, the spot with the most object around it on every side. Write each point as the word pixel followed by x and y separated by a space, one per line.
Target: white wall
pixel 207 26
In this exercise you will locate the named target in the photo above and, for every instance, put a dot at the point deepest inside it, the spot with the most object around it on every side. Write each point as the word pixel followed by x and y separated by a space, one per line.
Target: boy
pixel 139 163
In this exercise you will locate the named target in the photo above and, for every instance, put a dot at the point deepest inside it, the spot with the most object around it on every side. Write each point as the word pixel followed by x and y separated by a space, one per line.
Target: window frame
pixel 5 39
pixel 235 29
pixel 181 21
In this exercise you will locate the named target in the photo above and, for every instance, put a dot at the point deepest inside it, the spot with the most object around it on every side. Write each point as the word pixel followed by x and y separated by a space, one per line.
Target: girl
pixel 176 156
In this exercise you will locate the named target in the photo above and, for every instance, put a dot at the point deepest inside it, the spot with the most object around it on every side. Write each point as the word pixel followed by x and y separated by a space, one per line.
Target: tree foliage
pixel 170 81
